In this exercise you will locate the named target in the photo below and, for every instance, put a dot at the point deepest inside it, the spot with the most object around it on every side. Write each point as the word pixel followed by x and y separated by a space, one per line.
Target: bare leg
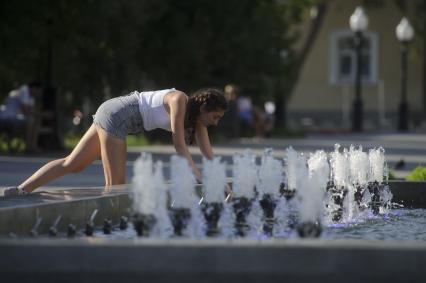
pixel 113 152
pixel 86 151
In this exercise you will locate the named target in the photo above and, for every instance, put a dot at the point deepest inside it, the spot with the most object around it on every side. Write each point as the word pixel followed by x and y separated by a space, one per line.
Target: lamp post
pixel 404 33
pixel 358 23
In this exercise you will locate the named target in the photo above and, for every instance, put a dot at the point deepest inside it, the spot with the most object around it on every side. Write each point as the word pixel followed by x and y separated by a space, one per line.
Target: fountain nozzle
pixel 53 230
pixel 180 219
pixel 72 230
pixel 268 205
pixel 90 224
pixel 34 231
pixel 309 229
pixel 242 207
pixel 211 213
pixel 143 223
pixel 107 226
pixel 374 188
pixel 123 223
pixel 287 193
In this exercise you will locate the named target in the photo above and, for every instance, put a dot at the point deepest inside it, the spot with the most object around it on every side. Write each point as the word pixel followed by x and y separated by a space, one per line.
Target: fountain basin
pixel 109 259
pixel 211 260
pixel 410 194
pixel 19 214
pixel 75 205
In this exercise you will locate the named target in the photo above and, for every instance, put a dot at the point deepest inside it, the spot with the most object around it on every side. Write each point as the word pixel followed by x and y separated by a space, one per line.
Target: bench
pixel 12 132
pixel 12 136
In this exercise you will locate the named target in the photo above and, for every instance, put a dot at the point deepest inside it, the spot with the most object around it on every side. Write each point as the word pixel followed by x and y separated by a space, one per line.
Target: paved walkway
pixel 411 148
pixel 408 147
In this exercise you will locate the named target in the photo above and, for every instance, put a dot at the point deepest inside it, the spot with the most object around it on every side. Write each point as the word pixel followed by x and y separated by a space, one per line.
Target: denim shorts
pixel 120 116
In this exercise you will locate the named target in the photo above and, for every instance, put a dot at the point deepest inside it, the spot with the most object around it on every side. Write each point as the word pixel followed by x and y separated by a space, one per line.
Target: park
pixel 314 111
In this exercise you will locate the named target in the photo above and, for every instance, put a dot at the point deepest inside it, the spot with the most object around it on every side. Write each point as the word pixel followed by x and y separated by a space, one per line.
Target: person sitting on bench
pixel 19 112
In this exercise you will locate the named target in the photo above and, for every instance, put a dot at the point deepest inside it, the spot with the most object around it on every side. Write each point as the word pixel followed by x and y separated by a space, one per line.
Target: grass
pixel 71 140
pixel 281 132
pixel 418 174
pixel 391 175
pixel 16 145
pixel 137 140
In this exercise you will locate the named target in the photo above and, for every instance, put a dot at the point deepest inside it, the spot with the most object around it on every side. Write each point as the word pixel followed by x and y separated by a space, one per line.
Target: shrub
pixel 391 175
pixel 418 174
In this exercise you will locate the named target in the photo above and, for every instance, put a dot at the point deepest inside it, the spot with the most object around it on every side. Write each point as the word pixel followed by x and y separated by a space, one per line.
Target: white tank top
pixel 151 107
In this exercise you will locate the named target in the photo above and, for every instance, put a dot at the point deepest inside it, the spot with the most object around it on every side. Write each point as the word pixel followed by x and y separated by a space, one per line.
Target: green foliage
pixel 391 175
pixel 71 140
pixel 16 145
pixel 136 140
pixel 106 48
pixel 418 174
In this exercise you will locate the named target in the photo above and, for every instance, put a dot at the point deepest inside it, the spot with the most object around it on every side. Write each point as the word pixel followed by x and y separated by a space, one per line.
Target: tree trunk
pixel 282 98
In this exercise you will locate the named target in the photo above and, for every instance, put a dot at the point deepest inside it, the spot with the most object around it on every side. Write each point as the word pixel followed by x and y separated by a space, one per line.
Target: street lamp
pixel 404 33
pixel 358 23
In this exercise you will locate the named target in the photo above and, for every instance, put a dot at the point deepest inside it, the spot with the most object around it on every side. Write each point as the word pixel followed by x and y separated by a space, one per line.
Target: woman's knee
pixel 71 165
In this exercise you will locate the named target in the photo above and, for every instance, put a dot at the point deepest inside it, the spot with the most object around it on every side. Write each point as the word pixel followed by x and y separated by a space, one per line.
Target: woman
pixel 187 118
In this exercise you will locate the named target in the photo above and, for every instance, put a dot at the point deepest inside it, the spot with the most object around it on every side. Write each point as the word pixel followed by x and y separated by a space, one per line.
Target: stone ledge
pixel 18 215
pixel 96 260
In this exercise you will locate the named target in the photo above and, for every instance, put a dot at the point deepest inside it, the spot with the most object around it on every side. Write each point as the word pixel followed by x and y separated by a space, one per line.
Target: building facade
pixel 323 97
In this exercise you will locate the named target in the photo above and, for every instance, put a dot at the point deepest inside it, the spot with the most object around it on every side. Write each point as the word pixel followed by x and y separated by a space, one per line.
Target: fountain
pixel 182 194
pixel 300 195
pixel 144 195
pixel 245 178
pixel 311 194
pixel 268 186
pixel 343 186
pixel 214 178
pixel 192 231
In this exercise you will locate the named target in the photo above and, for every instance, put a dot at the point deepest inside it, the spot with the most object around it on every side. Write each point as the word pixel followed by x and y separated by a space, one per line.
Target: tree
pixel 110 47
pixel 297 58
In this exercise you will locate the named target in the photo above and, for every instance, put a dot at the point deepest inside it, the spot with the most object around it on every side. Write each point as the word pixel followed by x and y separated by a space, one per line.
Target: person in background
pixel 229 128
pixel 19 111
pixel 187 118
pixel 258 122
pixel 245 114
pixel 269 118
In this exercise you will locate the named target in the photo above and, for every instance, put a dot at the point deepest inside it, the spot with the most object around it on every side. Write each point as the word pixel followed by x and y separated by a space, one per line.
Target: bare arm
pixel 177 105
pixel 203 141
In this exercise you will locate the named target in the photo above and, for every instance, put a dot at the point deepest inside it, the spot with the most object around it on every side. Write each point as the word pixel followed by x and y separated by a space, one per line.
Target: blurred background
pixel 288 67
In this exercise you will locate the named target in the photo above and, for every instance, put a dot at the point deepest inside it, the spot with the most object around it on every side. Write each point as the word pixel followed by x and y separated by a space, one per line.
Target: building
pixel 322 99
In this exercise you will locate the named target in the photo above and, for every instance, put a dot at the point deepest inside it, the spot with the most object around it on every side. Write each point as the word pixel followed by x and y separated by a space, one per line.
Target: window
pixel 343 58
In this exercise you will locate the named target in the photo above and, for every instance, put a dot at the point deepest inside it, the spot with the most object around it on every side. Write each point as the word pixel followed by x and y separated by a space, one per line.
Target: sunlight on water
pixel 143 186
pixel 244 174
pixel 270 174
pixel 183 183
pixel 343 191
pixel 214 180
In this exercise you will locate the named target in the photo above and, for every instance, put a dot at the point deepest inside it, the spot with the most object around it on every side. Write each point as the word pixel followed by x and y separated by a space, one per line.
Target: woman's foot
pixel 14 191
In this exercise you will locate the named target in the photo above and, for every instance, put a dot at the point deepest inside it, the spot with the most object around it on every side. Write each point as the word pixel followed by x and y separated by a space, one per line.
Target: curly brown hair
pixel 212 98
